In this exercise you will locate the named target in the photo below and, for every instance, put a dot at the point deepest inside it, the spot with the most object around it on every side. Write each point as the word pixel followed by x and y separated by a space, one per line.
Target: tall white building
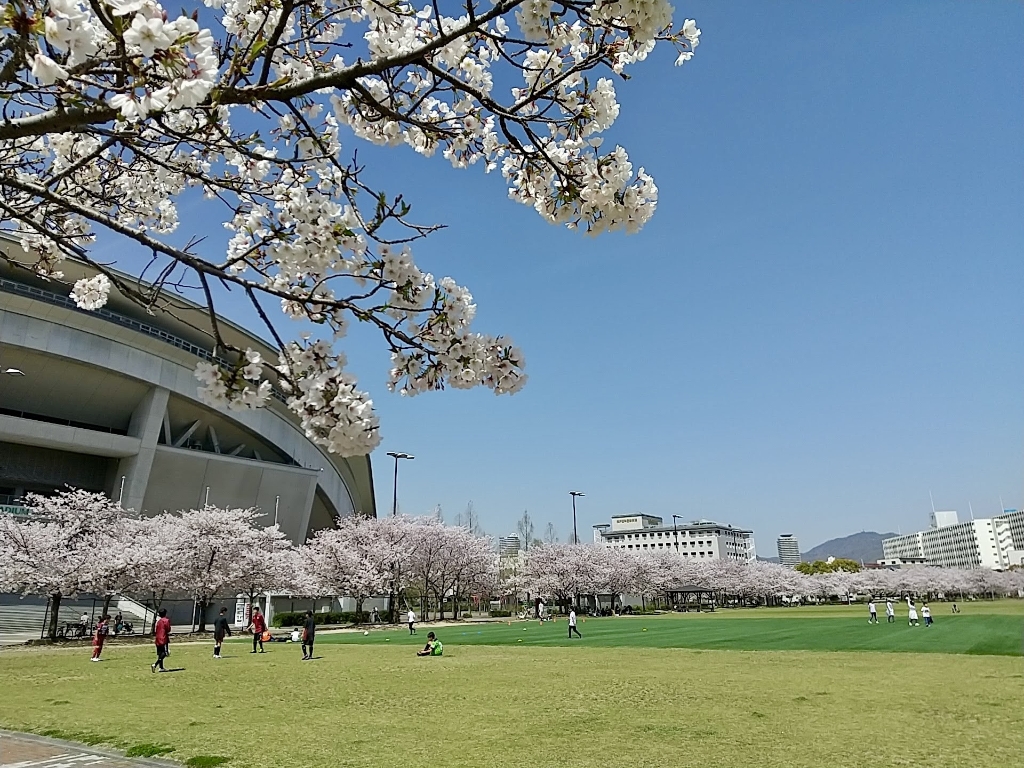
pixel 789 550
pixel 509 546
pixel 697 540
pixel 1010 536
pixel 979 543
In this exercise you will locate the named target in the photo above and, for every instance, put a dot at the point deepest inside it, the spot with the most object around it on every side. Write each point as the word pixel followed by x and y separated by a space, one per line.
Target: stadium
pixel 106 401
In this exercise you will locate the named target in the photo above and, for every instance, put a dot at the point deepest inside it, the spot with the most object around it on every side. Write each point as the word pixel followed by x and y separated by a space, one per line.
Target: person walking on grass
pixel 572 624
pixel 162 640
pixel 221 629
pixel 926 612
pixel 912 614
pixel 102 630
pixel 872 612
pixel 308 635
pixel 890 613
pixel 411 618
pixel 257 626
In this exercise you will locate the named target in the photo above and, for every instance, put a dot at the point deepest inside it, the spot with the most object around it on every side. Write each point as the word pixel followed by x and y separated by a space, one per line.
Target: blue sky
pixel 820 325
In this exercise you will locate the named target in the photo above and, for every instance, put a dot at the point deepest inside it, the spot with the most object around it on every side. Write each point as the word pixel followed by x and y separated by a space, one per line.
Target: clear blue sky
pixel 821 325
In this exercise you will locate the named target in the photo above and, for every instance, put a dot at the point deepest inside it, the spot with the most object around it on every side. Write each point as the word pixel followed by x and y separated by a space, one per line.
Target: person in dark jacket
pixel 308 635
pixel 162 640
pixel 221 629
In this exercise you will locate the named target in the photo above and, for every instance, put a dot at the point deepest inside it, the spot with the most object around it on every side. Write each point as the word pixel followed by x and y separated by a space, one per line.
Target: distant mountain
pixel 866 546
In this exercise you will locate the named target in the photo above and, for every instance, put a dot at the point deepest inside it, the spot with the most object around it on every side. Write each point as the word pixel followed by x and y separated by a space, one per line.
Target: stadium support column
pixel 146 423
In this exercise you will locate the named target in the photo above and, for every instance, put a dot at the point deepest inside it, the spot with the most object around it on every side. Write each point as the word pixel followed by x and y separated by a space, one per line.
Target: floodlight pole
pixel 575 535
pixel 675 531
pixel 397 457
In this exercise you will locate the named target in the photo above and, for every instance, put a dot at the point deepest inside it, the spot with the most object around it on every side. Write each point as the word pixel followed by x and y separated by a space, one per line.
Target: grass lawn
pixel 991 628
pixel 619 698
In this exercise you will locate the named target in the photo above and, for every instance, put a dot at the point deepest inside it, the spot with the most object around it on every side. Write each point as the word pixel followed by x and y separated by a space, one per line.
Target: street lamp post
pixel 396 457
pixel 575 535
pixel 675 531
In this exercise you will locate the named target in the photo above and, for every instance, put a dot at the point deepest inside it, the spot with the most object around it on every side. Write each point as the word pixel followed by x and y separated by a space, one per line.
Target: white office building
pixel 697 540
pixel 789 550
pixel 996 542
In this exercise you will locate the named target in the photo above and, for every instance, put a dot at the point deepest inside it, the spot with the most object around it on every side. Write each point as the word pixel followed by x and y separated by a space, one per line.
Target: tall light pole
pixel 397 457
pixel 574 494
pixel 675 531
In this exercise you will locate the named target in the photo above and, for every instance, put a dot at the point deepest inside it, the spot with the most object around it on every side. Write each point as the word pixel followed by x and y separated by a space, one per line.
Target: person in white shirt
pixel 927 613
pixel 411 618
pixel 572 625
pixel 872 612
pixel 912 615
pixel 540 610
pixel 890 612
pixel 296 636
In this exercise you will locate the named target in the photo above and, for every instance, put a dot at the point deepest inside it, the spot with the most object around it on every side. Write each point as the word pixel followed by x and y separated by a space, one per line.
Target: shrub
pixel 501 614
pixel 148 750
pixel 206 761
pixel 298 618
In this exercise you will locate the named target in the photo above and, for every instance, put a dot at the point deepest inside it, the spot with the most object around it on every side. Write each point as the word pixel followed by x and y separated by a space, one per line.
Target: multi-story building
pixel 696 540
pixel 789 550
pixel 509 546
pixel 1010 536
pixel 970 544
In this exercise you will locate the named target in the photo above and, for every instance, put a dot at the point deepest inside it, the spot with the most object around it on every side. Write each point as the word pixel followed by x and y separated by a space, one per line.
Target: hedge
pixel 298 618
pixel 501 614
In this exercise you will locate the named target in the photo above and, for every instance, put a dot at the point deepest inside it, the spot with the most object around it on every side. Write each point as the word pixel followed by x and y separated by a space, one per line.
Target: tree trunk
pixel 106 605
pixel 359 609
pixel 51 630
pixel 201 607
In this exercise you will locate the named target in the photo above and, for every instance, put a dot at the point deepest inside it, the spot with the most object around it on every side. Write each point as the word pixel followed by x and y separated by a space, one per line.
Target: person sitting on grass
pixel 433 646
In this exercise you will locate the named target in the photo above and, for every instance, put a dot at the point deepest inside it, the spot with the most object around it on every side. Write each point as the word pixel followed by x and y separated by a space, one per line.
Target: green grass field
pixel 621 697
pixel 986 628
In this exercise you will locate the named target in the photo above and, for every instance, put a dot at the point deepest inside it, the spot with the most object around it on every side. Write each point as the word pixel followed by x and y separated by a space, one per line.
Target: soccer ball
pixel 366 631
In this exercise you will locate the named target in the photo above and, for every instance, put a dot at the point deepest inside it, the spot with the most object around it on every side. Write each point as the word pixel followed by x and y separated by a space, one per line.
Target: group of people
pixel 260 634
pixel 912 616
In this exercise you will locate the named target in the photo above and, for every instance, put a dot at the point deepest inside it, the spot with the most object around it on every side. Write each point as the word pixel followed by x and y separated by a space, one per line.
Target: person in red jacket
pixel 162 639
pixel 258 626
pixel 102 630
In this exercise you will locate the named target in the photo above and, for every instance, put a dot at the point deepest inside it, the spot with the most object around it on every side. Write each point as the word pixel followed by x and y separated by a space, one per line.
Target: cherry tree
pixel 565 571
pixel 71 542
pixel 157 538
pixel 448 562
pixel 213 544
pixel 118 111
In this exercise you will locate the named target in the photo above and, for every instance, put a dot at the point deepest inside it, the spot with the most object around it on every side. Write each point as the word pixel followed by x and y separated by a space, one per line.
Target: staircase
pixel 22 618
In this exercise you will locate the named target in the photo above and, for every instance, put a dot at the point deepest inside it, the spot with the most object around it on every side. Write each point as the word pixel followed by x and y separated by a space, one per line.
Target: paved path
pixel 20 750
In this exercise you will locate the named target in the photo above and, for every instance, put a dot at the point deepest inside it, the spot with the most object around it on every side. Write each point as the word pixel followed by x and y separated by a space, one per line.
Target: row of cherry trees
pixel 567 572
pixel 80 542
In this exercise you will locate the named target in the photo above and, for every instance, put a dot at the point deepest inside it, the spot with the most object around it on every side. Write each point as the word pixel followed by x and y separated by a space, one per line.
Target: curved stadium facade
pixel 108 403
